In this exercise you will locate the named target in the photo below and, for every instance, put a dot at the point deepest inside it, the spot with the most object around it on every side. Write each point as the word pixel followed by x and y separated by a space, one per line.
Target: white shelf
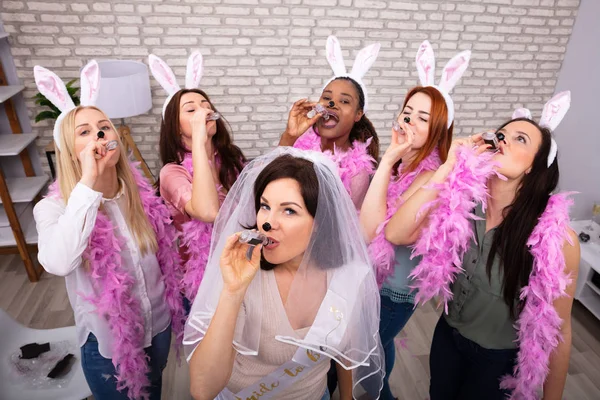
pixel 6 92
pixel 593 287
pixel 13 144
pixel 24 190
pixel 29 232
pixel 3 35
pixel 591 301
pixel 19 208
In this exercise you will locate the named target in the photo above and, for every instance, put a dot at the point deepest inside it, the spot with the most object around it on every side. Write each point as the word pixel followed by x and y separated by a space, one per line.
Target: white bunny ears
pixel 453 71
pixel 363 62
pixel 553 113
pixel 51 86
pixel 165 76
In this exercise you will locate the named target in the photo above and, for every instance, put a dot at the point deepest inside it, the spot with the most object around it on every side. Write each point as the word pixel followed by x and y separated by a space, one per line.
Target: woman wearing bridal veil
pixel 267 327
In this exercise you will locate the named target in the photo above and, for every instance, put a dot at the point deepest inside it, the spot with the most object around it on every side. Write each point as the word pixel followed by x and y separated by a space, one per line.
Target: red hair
pixel 440 135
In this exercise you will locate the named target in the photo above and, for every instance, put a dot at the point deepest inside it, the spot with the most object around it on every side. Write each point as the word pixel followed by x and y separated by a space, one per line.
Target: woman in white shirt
pixel 104 229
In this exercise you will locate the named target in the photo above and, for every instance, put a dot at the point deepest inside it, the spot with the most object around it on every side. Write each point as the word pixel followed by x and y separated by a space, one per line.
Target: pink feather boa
pixel 446 238
pixel 113 287
pixel 350 162
pixel 196 237
pixel 380 250
pixel 539 326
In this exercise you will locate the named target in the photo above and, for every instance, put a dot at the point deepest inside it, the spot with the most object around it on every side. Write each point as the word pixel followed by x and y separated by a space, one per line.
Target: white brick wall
pixel 260 55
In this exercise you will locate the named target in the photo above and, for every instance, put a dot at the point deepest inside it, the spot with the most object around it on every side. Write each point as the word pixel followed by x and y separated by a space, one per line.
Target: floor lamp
pixel 125 92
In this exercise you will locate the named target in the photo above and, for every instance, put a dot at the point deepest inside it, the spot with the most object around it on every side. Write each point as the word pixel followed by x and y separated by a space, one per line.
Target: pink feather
pixel 380 250
pixel 350 163
pixel 539 326
pixel 445 239
pixel 196 238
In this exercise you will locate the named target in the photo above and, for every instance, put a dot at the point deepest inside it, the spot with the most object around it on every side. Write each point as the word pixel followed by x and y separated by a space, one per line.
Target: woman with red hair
pixel 421 138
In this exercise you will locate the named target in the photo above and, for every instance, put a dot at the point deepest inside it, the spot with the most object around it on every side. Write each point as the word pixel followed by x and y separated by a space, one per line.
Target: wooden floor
pixel 44 305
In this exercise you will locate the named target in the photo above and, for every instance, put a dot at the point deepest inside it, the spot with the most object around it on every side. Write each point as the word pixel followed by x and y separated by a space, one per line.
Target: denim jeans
pixel 100 372
pixel 462 369
pixel 394 317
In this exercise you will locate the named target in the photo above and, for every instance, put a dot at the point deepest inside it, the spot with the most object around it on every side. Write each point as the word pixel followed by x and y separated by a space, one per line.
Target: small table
pixel 588 292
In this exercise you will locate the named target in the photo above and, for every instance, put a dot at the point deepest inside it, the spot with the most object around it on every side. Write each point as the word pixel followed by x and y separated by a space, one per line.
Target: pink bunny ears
pixel 453 71
pixel 363 62
pixel 165 76
pixel 51 86
pixel 553 113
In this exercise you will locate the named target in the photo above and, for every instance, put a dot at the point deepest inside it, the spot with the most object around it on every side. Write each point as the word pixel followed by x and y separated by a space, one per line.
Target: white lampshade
pixel 124 88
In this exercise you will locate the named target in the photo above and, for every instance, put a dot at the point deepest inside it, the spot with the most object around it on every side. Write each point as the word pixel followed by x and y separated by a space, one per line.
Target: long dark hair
pixel 363 129
pixel 520 218
pixel 172 149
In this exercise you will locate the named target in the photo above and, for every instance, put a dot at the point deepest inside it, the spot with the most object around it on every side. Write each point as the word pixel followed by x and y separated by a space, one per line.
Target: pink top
pixel 176 190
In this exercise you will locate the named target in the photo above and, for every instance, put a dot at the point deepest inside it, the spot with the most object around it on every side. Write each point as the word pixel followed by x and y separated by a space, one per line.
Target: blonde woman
pixel 104 229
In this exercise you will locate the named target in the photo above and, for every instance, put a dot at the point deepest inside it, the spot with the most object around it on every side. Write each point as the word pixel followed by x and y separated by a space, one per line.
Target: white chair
pixel 14 335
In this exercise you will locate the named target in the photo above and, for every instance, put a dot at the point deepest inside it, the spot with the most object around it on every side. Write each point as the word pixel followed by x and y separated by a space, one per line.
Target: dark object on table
pixel 62 367
pixel 584 237
pixel 33 350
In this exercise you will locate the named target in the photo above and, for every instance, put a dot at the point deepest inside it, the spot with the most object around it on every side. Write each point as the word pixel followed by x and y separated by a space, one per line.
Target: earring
pixel 266 227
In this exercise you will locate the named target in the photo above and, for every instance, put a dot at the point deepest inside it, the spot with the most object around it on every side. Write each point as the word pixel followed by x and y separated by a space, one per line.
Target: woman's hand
pixel 472 141
pixel 298 122
pixel 400 145
pixel 93 161
pixel 236 269
pixel 198 124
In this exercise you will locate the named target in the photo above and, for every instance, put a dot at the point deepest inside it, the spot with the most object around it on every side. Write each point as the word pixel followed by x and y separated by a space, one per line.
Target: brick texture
pixel 260 55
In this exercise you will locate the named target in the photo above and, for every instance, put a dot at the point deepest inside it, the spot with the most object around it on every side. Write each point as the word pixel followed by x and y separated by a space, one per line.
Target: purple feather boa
pixel 113 287
pixel 196 237
pixel 350 163
pixel 446 238
pixel 380 250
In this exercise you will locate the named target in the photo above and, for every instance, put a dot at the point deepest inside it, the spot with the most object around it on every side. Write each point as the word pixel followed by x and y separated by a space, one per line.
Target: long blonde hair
pixel 69 174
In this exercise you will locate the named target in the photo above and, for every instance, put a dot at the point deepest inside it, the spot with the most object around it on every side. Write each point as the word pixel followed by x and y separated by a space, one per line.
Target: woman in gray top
pixel 487 330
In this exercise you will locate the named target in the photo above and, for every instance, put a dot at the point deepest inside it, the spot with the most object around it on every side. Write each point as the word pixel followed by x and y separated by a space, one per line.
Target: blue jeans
pixel 462 369
pixel 326 395
pixel 393 318
pixel 100 372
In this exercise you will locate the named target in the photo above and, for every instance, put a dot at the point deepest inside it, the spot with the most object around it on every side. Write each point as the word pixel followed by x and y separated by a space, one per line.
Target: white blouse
pixel 63 233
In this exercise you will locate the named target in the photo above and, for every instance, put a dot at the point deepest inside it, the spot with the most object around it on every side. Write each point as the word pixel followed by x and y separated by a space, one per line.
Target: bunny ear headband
pixel 165 76
pixel 364 60
pixel 553 113
pixel 453 71
pixel 51 86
